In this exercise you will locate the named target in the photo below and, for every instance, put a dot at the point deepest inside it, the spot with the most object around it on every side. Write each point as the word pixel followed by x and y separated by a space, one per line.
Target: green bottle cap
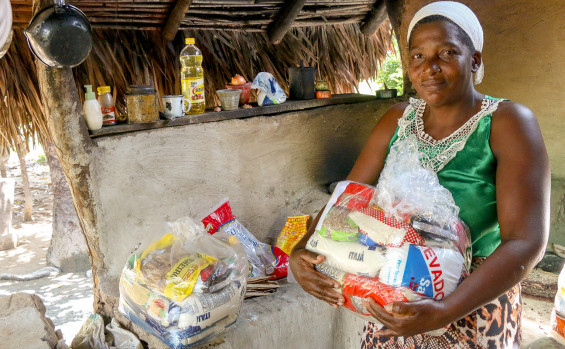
pixel 89 95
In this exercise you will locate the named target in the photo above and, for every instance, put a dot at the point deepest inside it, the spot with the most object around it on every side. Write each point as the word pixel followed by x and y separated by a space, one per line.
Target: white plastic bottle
pixel 91 110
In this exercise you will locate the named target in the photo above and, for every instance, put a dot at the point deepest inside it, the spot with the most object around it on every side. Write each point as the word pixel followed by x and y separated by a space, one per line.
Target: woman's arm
pixel 366 170
pixel 522 192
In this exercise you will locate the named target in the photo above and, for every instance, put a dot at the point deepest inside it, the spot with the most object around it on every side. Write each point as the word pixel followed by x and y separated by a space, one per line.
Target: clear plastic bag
pixel 269 90
pixel 264 259
pixel 185 288
pixel 385 242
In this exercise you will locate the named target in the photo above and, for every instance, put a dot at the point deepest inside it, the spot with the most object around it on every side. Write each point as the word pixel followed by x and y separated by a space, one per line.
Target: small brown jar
pixel 141 104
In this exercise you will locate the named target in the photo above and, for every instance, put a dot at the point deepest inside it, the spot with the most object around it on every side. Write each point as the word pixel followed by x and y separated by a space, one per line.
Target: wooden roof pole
pixel 175 18
pixel 374 20
pixel 283 20
pixel 74 147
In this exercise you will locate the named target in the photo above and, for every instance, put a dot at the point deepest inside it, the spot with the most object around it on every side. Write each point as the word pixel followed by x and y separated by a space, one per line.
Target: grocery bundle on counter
pixel 187 287
pixel 399 241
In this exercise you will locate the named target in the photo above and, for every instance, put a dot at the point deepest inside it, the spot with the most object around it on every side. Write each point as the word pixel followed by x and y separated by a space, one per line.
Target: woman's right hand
pixel 317 284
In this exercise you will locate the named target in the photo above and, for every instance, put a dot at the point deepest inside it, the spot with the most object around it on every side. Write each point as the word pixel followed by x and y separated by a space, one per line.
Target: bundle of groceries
pixel 263 259
pixel 399 241
pixel 185 288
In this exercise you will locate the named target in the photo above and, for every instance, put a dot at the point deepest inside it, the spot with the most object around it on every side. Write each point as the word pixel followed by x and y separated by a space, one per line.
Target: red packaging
pixel 357 288
pixel 264 260
pixel 216 219
pixel 281 264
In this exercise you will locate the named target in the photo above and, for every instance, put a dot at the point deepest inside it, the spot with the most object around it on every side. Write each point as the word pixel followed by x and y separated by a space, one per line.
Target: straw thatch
pixel 341 54
pixel 21 112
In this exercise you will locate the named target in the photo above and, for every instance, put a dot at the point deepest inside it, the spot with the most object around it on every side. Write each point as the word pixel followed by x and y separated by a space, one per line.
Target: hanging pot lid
pixel 6 31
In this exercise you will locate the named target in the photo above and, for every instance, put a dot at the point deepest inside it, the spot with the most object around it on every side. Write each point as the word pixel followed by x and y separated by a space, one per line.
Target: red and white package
pixel 264 259
pixel 356 289
pixel 388 258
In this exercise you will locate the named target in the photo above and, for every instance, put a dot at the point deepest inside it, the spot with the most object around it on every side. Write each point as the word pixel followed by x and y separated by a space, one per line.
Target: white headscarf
pixel 460 15
pixel 5 26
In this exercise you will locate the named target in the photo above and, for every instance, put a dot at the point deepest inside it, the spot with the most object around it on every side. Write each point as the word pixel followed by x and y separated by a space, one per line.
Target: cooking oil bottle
pixel 192 77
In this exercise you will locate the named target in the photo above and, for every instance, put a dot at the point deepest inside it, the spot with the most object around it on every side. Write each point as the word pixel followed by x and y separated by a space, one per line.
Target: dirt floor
pixel 68 296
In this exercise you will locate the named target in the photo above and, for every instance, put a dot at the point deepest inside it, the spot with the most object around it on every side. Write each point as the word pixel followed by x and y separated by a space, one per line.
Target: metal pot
pixel 60 35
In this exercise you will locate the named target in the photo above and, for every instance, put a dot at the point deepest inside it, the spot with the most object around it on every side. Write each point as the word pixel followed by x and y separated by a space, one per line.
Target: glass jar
pixel 141 104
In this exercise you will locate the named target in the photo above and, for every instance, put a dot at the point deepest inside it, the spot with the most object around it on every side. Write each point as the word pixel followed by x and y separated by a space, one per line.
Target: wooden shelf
pixel 212 116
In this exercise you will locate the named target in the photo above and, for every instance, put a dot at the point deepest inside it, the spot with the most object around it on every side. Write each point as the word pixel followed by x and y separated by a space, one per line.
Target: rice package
pixel 186 288
pixel 264 259
pixel 399 241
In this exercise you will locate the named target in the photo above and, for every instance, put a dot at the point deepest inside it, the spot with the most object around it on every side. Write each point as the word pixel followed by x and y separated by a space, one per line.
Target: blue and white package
pixel 430 271
pixel 270 92
pixel 350 257
pixel 365 240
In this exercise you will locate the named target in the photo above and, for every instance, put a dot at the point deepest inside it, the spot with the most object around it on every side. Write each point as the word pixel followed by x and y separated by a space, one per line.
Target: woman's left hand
pixel 408 318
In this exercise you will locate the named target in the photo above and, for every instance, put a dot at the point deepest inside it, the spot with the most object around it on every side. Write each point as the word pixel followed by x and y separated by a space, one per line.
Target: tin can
pixel 141 104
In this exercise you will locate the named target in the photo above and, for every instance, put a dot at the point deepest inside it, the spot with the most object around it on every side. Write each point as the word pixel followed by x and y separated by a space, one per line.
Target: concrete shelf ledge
pixel 211 116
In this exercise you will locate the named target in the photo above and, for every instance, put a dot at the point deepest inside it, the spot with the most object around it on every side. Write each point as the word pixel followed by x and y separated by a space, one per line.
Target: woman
pixel 490 154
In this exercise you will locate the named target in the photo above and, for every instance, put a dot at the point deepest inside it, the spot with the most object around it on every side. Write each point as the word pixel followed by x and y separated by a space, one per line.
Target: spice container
pixel 106 102
pixel 141 103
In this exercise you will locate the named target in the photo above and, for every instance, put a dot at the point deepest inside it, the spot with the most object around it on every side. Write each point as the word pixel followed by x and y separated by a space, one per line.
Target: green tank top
pixel 465 165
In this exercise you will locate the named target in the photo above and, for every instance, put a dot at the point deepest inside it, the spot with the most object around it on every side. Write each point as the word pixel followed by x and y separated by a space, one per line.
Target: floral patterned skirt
pixel 496 325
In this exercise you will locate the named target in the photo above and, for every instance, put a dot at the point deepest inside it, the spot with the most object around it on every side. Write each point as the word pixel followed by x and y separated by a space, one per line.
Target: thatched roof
pixel 234 35
pixel 248 15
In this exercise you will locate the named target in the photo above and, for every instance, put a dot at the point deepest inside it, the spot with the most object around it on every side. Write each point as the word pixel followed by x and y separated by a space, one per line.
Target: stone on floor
pixel 24 323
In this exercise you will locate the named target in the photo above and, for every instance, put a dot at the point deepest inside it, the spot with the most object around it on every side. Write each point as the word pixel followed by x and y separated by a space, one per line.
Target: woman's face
pixel 440 65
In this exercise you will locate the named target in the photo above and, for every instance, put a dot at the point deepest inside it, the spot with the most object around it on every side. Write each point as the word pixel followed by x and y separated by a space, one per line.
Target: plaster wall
pixel 269 168
pixel 523 56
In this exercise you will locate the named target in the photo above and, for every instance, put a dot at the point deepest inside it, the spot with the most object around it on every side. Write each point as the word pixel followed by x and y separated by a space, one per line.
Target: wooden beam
pixel 67 129
pixel 283 20
pixel 177 15
pixel 374 19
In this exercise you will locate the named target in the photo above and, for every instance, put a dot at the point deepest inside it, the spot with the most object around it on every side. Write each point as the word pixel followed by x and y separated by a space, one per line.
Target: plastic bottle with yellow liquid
pixel 192 77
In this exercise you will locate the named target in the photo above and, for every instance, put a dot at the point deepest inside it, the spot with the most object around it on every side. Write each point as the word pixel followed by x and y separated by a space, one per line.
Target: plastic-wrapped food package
pixel 294 229
pixel 385 242
pixel 185 288
pixel 269 90
pixel 264 259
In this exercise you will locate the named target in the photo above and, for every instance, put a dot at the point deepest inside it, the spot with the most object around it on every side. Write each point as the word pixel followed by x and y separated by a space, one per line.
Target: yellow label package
pixel 293 230
pixel 183 276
